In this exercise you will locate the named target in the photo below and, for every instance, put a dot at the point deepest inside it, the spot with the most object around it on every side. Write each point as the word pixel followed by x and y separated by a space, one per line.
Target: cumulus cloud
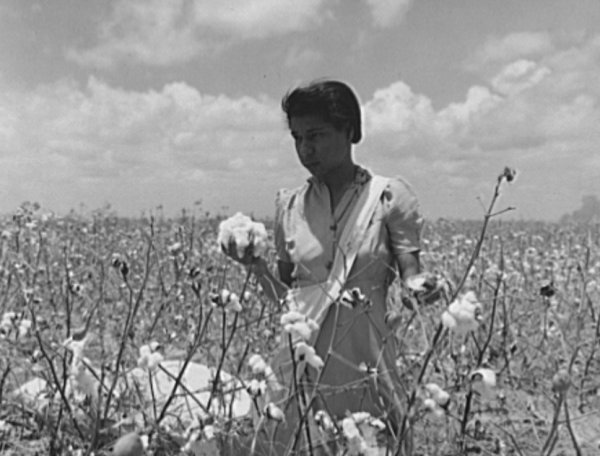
pixel 158 126
pixel 541 115
pixel 388 12
pixel 525 99
pixel 397 109
pixel 63 135
pixel 160 32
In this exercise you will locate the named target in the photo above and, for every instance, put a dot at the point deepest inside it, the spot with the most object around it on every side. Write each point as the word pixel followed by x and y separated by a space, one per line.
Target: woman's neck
pixel 339 182
pixel 341 178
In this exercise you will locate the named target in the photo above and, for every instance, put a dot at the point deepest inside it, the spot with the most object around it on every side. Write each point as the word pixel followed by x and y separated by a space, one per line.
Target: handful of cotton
pixel 248 236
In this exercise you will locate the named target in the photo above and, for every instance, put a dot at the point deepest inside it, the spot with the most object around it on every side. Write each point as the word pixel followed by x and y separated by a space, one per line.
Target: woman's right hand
pixel 231 250
pixel 257 264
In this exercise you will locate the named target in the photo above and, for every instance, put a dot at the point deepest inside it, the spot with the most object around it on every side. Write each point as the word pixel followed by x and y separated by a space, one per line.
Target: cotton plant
pixel 438 394
pixel 263 380
pixel 262 371
pixel 435 399
pixel 325 422
pixel 304 353
pixel 263 374
pixel 200 439
pixel 300 329
pixel 463 315
pixel 427 287
pixel 231 301
pixel 82 381
pixel 14 323
pixel 354 297
pixel 359 432
pixel 298 325
pixel 483 382
pixel 273 412
pixel 245 233
pixel 256 387
pixel 150 358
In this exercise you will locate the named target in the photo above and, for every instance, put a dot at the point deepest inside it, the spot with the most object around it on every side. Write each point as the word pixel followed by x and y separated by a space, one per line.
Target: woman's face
pixel 322 149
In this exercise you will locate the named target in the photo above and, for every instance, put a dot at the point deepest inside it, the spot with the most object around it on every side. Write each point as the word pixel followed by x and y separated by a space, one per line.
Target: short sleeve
pixel 403 217
pixel 282 199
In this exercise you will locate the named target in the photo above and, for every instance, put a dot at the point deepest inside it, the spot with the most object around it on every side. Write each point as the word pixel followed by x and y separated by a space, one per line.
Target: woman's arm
pixel 404 224
pixel 408 264
pixel 273 287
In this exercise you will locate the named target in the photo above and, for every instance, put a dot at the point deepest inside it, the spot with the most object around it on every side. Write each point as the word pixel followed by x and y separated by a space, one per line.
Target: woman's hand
pixel 231 251
pixel 257 264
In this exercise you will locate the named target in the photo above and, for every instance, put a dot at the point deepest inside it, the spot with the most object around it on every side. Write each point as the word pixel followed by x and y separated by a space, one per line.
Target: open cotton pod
pixel 129 445
pixel 463 315
pixel 242 232
pixel 439 395
pixel 483 381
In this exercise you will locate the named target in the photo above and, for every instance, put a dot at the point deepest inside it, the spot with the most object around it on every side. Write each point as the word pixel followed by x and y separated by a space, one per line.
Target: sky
pixel 175 104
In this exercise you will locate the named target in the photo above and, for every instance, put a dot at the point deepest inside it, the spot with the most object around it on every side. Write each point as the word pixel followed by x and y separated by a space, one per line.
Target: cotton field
pixel 139 336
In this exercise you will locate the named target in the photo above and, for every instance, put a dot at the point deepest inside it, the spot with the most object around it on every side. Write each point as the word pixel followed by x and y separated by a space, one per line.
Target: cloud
pixel 301 57
pixel 540 115
pixel 410 117
pixel 257 18
pixel 154 33
pixel 63 136
pixel 160 32
pixel 519 75
pixel 388 12
pixel 502 50
pixel 397 109
pixel 555 96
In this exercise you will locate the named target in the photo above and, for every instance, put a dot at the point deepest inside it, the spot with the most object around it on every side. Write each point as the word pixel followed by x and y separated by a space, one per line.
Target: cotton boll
pixel 233 303
pixel 129 445
pixel 273 412
pixel 304 352
pixel 483 381
pixel 256 387
pixel 257 364
pixel 463 315
pixel 291 317
pixel 241 230
pixel 154 360
pixel 298 326
pixel 24 328
pixel 298 330
pixel 356 444
pixel 440 396
pixel 324 421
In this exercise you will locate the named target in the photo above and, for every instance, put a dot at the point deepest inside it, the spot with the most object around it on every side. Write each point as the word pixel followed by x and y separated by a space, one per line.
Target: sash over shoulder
pixel 314 300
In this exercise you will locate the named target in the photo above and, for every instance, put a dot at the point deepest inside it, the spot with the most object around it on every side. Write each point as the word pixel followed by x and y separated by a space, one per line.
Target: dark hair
pixel 334 101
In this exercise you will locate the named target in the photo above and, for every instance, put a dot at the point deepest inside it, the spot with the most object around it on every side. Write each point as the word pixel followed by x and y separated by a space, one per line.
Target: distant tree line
pixel 588 212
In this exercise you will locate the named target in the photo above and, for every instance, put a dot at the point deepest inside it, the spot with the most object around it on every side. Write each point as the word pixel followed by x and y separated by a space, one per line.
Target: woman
pixel 359 374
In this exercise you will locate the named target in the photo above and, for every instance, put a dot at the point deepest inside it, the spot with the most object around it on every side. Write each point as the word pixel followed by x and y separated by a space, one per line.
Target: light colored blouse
pixel 357 337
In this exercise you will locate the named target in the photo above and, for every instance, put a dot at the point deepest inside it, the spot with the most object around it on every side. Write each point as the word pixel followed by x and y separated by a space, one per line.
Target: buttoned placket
pixel 337 215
